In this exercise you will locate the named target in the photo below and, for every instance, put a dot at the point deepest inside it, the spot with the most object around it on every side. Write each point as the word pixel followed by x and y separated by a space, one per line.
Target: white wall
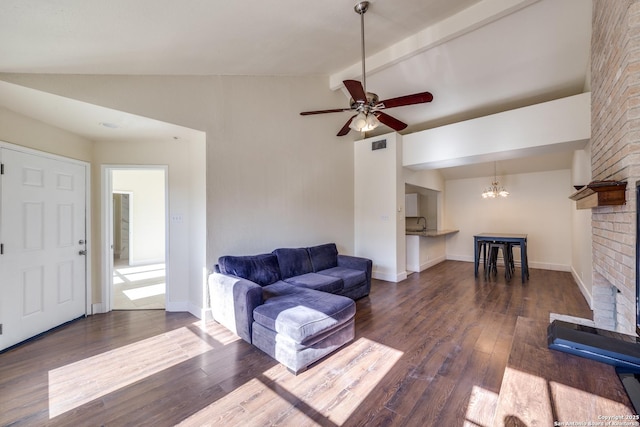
pixel 379 207
pixel 581 233
pixel 147 203
pixel 425 252
pixel 273 178
pixel 538 206
pixel 184 280
pixel 27 132
pixel 524 130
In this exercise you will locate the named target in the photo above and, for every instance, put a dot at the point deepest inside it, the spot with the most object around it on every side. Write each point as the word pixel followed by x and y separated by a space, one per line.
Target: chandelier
pixel 494 190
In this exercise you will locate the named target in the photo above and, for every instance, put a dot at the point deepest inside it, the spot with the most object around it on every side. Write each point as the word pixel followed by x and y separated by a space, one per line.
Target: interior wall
pixel 183 240
pixel 186 190
pixel 273 178
pixel 147 200
pixel 581 240
pixel 379 207
pixel 537 206
pixel 27 132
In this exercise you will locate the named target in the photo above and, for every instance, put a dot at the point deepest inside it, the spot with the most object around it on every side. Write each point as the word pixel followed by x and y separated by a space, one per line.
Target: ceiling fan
pixel 367 105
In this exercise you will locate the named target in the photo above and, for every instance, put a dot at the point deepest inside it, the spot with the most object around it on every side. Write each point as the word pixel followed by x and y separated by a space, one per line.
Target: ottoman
pixel 299 326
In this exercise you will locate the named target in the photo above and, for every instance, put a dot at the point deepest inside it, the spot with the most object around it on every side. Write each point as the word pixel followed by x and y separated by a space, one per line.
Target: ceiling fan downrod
pixel 361 8
pixel 364 106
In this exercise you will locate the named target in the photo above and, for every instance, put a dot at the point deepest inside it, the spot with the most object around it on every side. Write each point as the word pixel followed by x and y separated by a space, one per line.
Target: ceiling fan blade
pixel 392 122
pixel 416 98
pixel 355 90
pixel 335 110
pixel 345 129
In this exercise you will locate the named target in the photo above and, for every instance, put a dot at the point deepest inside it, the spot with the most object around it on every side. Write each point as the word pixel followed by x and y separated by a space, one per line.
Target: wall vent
pixel 379 145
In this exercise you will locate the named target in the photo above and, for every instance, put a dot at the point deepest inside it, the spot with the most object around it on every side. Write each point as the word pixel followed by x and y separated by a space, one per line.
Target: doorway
pixel 138 199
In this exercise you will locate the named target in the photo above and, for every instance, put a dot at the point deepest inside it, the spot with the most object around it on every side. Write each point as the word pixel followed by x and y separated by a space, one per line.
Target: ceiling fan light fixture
pixel 366 105
pixel 372 122
pixel 364 122
pixel 359 122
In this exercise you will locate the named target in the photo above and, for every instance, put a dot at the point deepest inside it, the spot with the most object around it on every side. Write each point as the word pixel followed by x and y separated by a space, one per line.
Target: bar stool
pixel 493 248
pixel 523 258
pixel 482 253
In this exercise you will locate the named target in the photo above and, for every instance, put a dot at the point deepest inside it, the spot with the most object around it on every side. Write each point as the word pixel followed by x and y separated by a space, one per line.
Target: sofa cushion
pixel 351 278
pixel 319 282
pixel 293 262
pixel 262 269
pixel 305 314
pixel 295 356
pixel 323 256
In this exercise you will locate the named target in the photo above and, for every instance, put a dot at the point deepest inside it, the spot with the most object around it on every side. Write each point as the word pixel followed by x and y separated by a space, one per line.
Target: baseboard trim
pixel 388 277
pixel 97 308
pixel 586 293
pixel 202 313
pixel 177 306
pixel 430 263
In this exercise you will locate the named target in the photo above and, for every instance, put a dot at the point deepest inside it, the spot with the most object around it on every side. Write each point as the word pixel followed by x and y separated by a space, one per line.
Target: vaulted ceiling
pixel 477 57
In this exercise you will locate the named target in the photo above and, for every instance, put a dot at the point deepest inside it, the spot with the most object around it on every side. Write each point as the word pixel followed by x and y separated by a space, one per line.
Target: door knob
pixel 83 252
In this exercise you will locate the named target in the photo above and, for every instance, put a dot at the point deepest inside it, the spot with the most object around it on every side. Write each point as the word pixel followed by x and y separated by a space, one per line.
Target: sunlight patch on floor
pixel 145 291
pixel 143 275
pixel 481 408
pixel 140 287
pixel 81 382
pixel 526 391
pixel 140 268
pixel 596 408
pixel 302 399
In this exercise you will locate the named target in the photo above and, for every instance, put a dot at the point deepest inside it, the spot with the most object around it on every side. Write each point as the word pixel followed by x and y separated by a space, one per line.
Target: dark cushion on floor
pixel 323 256
pixel 293 261
pixel 350 277
pixel 319 282
pixel 262 269
pixel 304 314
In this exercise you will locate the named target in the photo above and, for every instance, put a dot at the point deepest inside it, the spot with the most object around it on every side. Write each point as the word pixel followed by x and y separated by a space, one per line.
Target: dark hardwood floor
pixel 431 350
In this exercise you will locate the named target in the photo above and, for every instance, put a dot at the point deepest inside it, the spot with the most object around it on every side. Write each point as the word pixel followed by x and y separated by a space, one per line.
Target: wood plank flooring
pixel 431 350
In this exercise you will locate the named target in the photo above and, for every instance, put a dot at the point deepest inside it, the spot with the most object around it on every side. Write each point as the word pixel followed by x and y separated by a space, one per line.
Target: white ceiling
pixel 477 57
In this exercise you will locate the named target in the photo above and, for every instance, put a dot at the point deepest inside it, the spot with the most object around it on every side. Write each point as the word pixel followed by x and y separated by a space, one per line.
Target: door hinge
pixel 1 168
pixel 0 328
pixel 1 248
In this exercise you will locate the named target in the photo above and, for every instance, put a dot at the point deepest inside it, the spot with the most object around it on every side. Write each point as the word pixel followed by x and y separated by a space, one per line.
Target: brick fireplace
pixel 615 155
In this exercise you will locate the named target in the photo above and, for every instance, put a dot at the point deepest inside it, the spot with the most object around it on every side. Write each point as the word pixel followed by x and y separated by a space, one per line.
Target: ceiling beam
pixel 561 124
pixel 463 22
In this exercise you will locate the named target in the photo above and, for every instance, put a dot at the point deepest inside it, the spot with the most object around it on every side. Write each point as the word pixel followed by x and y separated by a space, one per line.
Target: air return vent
pixel 379 145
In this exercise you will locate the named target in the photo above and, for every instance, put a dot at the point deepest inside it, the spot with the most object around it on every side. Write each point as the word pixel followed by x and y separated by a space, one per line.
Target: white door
pixel 42 238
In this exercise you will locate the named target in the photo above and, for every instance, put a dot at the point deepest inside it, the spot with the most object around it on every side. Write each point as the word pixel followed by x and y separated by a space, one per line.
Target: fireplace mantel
pixel 600 193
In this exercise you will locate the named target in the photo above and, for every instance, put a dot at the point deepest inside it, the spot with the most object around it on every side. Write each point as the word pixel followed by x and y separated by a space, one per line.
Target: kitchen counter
pixel 426 248
pixel 430 233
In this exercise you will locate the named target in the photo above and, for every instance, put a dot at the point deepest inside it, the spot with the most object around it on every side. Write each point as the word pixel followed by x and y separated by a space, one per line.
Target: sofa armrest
pixel 356 263
pixel 233 300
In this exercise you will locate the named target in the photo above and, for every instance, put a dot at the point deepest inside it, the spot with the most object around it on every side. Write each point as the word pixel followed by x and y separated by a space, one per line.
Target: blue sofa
pixel 295 304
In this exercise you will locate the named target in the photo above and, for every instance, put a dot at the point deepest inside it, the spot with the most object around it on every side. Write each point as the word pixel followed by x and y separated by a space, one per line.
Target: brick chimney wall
pixel 615 148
